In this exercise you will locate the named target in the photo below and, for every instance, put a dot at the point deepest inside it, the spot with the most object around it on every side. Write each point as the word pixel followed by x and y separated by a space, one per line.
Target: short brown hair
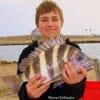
pixel 45 7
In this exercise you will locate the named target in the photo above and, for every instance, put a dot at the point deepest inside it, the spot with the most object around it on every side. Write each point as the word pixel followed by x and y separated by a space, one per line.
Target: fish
pixel 49 58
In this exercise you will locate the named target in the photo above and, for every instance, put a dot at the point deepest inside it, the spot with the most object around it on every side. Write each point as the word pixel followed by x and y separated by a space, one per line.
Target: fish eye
pixel 79 58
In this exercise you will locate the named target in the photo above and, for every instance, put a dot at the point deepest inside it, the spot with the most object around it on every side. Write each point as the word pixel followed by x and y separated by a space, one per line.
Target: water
pixel 12 52
pixel 91 49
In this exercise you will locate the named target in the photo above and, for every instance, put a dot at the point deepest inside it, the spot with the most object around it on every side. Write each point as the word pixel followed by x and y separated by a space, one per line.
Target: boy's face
pixel 49 25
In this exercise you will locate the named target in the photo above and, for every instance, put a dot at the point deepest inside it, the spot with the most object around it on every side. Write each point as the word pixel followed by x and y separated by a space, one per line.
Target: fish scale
pixel 49 58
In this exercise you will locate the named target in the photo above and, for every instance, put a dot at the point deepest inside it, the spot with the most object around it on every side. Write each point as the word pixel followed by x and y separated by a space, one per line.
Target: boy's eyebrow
pixel 47 17
pixel 43 17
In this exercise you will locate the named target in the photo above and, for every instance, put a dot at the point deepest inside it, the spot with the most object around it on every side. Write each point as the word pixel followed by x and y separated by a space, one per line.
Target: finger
pixel 81 75
pixel 34 86
pixel 66 69
pixel 71 79
pixel 43 88
pixel 70 70
pixel 83 71
pixel 65 76
pixel 73 73
pixel 34 79
pixel 38 82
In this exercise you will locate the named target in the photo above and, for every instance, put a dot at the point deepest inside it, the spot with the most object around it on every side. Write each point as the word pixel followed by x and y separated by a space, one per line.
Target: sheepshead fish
pixel 50 56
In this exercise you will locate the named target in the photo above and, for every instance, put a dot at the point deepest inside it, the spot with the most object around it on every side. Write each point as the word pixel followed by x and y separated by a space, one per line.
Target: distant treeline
pixel 7 62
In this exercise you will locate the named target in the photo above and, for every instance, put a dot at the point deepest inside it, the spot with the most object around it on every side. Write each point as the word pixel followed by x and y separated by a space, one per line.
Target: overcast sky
pixel 80 16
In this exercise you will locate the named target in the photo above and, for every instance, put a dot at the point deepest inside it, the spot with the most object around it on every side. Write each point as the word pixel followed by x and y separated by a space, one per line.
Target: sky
pixel 80 16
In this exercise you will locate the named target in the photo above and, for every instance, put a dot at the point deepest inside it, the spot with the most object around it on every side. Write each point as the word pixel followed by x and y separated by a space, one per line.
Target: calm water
pixel 11 53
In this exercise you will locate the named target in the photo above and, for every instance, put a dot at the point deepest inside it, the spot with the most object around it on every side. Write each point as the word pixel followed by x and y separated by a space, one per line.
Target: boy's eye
pixel 55 19
pixel 44 20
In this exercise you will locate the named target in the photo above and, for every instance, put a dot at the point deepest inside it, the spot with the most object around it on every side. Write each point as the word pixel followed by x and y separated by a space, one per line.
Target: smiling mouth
pixel 51 30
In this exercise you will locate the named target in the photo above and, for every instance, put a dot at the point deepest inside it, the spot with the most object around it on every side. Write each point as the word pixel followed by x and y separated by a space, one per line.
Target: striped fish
pixel 49 57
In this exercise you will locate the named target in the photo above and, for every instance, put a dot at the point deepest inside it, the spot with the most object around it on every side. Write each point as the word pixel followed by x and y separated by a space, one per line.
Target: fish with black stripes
pixel 49 58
